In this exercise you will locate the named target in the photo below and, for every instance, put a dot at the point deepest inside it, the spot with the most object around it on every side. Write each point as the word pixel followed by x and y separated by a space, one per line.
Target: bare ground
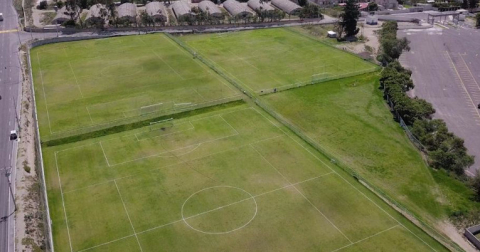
pixel 29 223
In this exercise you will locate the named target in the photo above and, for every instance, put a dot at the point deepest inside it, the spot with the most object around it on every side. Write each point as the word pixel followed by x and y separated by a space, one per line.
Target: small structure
pixel 181 10
pixel 470 234
pixel 127 12
pixel 237 9
pixel 256 5
pixel 61 17
pixel 287 6
pixel 96 13
pixel 371 20
pixel 157 11
pixel 331 34
pixel 432 16
pixel 210 8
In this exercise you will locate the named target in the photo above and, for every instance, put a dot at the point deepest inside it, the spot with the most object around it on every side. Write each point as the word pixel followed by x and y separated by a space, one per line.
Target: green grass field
pixel 89 83
pixel 349 119
pixel 274 58
pixel 228 180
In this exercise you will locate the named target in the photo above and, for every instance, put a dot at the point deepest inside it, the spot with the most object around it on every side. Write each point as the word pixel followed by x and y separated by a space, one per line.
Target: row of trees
pixel 444 149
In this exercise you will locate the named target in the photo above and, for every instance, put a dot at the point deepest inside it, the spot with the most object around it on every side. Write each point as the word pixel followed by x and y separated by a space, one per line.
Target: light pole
pixel 7 174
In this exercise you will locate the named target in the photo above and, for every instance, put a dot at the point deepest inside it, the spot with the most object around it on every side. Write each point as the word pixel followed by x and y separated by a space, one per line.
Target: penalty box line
pixel 211 210
pixel 179 163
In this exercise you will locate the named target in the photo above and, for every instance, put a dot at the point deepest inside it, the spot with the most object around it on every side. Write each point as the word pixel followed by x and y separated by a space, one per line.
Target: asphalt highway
pixel 10 77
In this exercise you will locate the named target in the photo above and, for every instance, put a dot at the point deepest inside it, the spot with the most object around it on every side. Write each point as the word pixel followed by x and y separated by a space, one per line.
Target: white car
pixel 1 16
pixel 13 135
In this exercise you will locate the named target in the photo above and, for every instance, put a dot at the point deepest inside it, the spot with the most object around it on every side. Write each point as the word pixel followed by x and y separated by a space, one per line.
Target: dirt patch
pixel 29 218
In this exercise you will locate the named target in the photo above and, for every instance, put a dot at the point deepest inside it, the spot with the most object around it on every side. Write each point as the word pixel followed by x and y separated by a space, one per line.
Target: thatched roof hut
pixel 157 11
pixel 287 6
pixel 210 8
pixel 237 9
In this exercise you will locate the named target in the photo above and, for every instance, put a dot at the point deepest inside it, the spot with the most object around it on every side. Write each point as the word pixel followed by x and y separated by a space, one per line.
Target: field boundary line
pixel 89 115
pixel 128 215
pixel 303 195
pixel 63 204
pixel 181 77
pixel 383 210
pixel 44 94
pixel 229 124
pixel 366 238
pixel 104 154
pixel 76 81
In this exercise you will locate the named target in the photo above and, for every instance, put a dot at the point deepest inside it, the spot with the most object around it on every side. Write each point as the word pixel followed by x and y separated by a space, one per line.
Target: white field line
pixel 158 56
pixel 44 94
pixel 104 154
pixel 211 210
pixel 128 215
pixel 383 210
pixel 89 114
pixel 76 80
pixel 106 243
pixel 179 163
pixel 169 151
pixel 63 204
pixel 229 124
pixel 148 106
pixel 303 195
pixel 366 238
pixel 196 91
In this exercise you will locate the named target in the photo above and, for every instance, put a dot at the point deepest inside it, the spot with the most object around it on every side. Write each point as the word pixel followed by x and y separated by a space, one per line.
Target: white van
pixel 1 16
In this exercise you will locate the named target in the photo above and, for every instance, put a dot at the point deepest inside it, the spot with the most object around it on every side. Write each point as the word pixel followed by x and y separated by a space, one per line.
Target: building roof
pixel 287 6
pixel 156 10
pixel 210 7
pixel 181 8
pixel 127 10
pixel 237 9
pixel 256 5
pixel 94 11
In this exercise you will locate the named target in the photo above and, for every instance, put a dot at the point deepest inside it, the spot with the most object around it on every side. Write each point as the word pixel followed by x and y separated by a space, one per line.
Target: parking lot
pixel 445 62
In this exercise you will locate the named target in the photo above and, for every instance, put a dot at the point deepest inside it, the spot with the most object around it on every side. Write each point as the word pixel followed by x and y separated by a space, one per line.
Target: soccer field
pixel 229 180
pixel 274 58
pixel 86 84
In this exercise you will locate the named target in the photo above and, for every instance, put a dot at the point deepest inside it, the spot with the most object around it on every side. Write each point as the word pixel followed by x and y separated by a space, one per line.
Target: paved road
pixel 10 76
pixel 446 72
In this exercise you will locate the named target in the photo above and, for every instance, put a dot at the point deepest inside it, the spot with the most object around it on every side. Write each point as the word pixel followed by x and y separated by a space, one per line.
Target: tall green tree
pixel 349 18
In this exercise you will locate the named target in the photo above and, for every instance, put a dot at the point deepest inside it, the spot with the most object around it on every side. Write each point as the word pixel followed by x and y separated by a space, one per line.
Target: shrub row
pixel 139 124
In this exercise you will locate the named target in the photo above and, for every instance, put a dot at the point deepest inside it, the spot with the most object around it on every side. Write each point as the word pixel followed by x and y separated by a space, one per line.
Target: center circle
pixel 219 210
